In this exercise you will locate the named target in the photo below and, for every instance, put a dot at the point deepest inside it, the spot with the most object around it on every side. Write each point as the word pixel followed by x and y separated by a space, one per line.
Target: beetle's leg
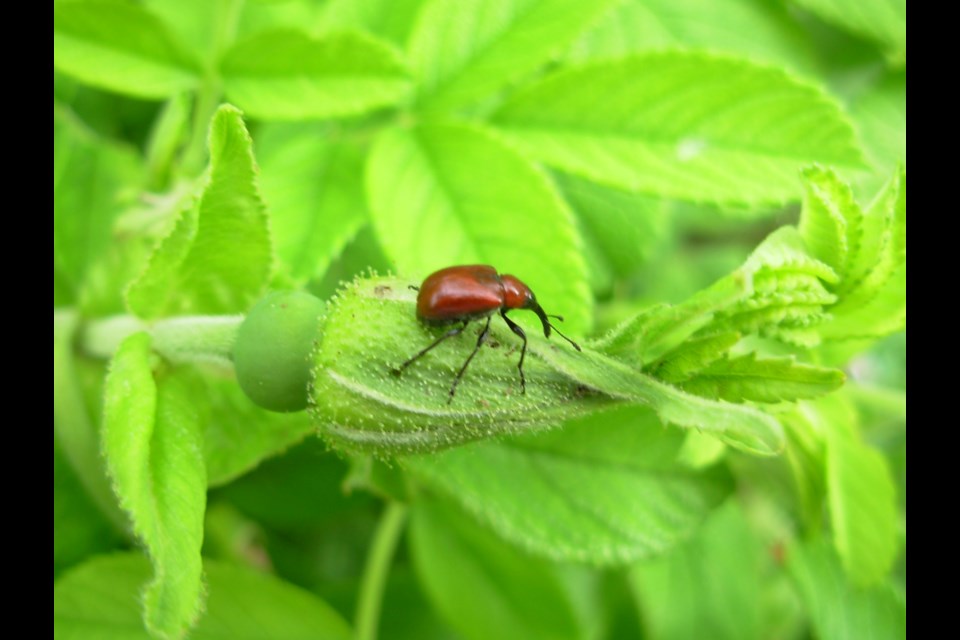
pixel 523 352
pixel 449 334
pixel 480 341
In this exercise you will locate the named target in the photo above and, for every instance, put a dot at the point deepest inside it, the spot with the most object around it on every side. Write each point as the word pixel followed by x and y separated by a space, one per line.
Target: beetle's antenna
pixel 575 345
pixel 413 286
pixel 547 326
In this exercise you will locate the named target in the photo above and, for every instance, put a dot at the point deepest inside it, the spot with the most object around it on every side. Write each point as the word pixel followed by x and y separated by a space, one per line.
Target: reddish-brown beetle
pixel 472 292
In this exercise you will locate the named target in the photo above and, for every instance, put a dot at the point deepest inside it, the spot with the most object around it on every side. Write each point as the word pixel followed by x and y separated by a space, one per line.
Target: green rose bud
pixel 273 347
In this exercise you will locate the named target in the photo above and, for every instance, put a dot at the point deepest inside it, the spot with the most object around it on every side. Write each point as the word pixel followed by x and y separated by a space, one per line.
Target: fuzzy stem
pixel 378 566
pixel 206 339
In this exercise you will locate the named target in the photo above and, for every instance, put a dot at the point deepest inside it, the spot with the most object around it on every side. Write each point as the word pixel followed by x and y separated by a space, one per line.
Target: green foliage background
pixel 711 192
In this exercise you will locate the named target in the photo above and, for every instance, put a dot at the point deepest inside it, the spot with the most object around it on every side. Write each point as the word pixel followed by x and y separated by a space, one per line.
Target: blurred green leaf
pixel 881 20
pixel 604 489
pixel 863 508
pixel 407 614
pixel 484 587
pixel 391 20
pixel 464 50
pixel 881 117
pixel 166 137
pixel 708 587
pixel 75 430
pixel 99 600
pixel 289 75
pixel 747 378
pixel 837 609
pixel 443 195
pixel 89 178
pixel 218 257
pixel 692 126
pixel 620 230
pixel 195 24
pixel 314 185
pixel 756 29
pixel 296 490
pixel 237 434
pixel 153 446
pixel 79 527
pixel 120 46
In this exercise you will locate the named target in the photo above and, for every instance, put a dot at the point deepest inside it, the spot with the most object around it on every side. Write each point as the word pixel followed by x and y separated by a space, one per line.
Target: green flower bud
pixel 360 403
pixel 273 348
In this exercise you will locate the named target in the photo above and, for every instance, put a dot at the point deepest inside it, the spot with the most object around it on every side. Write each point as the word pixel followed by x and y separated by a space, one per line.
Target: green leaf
pixel 314 185
pixel 289 75
pixel 650 335
pixel 442 195
pixel 805 456
pixel 620 230
pixel 153 445
pixel 872 293
pixel 120 46
pixel 360 403
pixel 218 257
pixel 98 599
pixel 742 427
pixel 754 29
pixel 604 489
pixel 884 244
pixel 196 25
pixel 484 587
pixel 89 177
pixel 881 117
pixel 707 587
pixel 684 125
pixel 863 508
pixel 391 20
pixel 692 356
pixel 766 380
pixel 837 609
pixel 832 222
pixel 882 20
pixel 464 50
pixel 789 297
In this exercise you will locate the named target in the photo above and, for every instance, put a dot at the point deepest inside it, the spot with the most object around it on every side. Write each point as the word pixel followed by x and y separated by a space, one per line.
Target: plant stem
pixel 378 566
pixel 211 89
pixel 205 339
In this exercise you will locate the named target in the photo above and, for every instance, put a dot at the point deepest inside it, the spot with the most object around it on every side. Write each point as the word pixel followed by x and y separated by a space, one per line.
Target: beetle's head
pixel 519 296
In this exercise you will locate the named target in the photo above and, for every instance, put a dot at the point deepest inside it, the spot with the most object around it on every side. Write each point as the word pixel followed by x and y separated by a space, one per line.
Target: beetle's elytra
pixel 462 294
